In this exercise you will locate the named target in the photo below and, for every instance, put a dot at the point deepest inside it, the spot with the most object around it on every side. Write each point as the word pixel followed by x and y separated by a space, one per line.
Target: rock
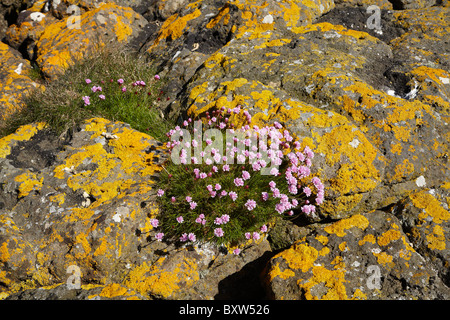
pixel 80 35
pixel 15 83
pixel 86 203
pixel 425 217
pixel 365 256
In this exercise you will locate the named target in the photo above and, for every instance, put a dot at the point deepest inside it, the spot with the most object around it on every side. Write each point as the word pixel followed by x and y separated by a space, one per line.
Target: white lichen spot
pixel 444 80
pixel 268 19
pixel 420 181
pixel 108 135
pixel 116 217
pixel 18 70
pixel 37 16
pixel 354 143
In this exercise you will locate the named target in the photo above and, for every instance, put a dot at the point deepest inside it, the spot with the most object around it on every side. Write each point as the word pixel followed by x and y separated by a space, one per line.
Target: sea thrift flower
pixel 250 204
pixel 193 205
pixel 218 232
pixel 120 81
pixel 124 89
pixel 160 193
pixel 248 235
pixel 203 175
pixel 180 219
pixel 188 199
pixel 102 97
pixel 239 182
pixel 265 196
pixel 157 77
pixel 217 187
pixel 88 81
pixel 255 236
pixel 184 237
pixel 86 100
pixel 233 195
pixel 173 199
pixel 218 221
pixel 263 228
pixel 154 223
pixel 226 167
pixel 307 191
pixel 245 175
pixel 237 251
pixel 159 236
pixel 191 237
pixel 225 218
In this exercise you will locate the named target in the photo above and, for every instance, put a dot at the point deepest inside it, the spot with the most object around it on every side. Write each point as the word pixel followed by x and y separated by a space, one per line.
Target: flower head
pixel 154 223
pixel 233 195
pixel 88 81
pixel 250 204
pixel 160 193
pixel 86 100
pixel 120 81
pixel 159 236
pixel 180 219
pixel 218 232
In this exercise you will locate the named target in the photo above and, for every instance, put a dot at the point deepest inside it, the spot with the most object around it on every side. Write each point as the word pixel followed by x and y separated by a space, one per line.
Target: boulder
pixel 84 203
pixel 15 81
pixel 366 256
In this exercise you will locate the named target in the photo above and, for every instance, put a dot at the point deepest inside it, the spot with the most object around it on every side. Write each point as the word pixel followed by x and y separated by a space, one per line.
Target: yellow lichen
pixel 338 228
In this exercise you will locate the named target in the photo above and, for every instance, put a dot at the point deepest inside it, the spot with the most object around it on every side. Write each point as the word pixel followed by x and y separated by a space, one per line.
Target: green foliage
pixel 61 104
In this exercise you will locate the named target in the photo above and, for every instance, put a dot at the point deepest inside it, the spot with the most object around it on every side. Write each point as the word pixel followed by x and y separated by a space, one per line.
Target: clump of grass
pixel 94 87
pixel 227 198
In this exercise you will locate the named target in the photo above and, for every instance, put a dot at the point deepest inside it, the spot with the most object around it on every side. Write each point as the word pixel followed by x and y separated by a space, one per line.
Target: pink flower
pixel 263 228
pixel 293 189
pixel 184 237
pixel 102 96
pixel 233 195
pixel 180 219
pixel 218 232
pixel 308 208
pixel 255 236
pixel 120 81
pixel 86 100
pixel 191 237
pixel 248 235
pixel 265 196
pixel 88 81
pixel 250 204
pixel 225 218
pixel 218 221
pixel 223 193
pixel 213 194
pixel 217 187
pixel 209 187
pixel 272 184
pixel 173 199
pixel 238 182
pixel 274 171
pixel 307 191
pixel 203 175
pixel 226 167
pixel 95 89
pixel 159 236
pixel 160 193
pixel 124 89
pixel 154 223
pixel 245 175
pixel 157 77
pixel 237 251
pixel 193 205
pixel 188 199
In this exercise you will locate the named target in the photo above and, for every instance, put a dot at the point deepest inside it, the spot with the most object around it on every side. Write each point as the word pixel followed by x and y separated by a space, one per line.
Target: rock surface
pixel 372 103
